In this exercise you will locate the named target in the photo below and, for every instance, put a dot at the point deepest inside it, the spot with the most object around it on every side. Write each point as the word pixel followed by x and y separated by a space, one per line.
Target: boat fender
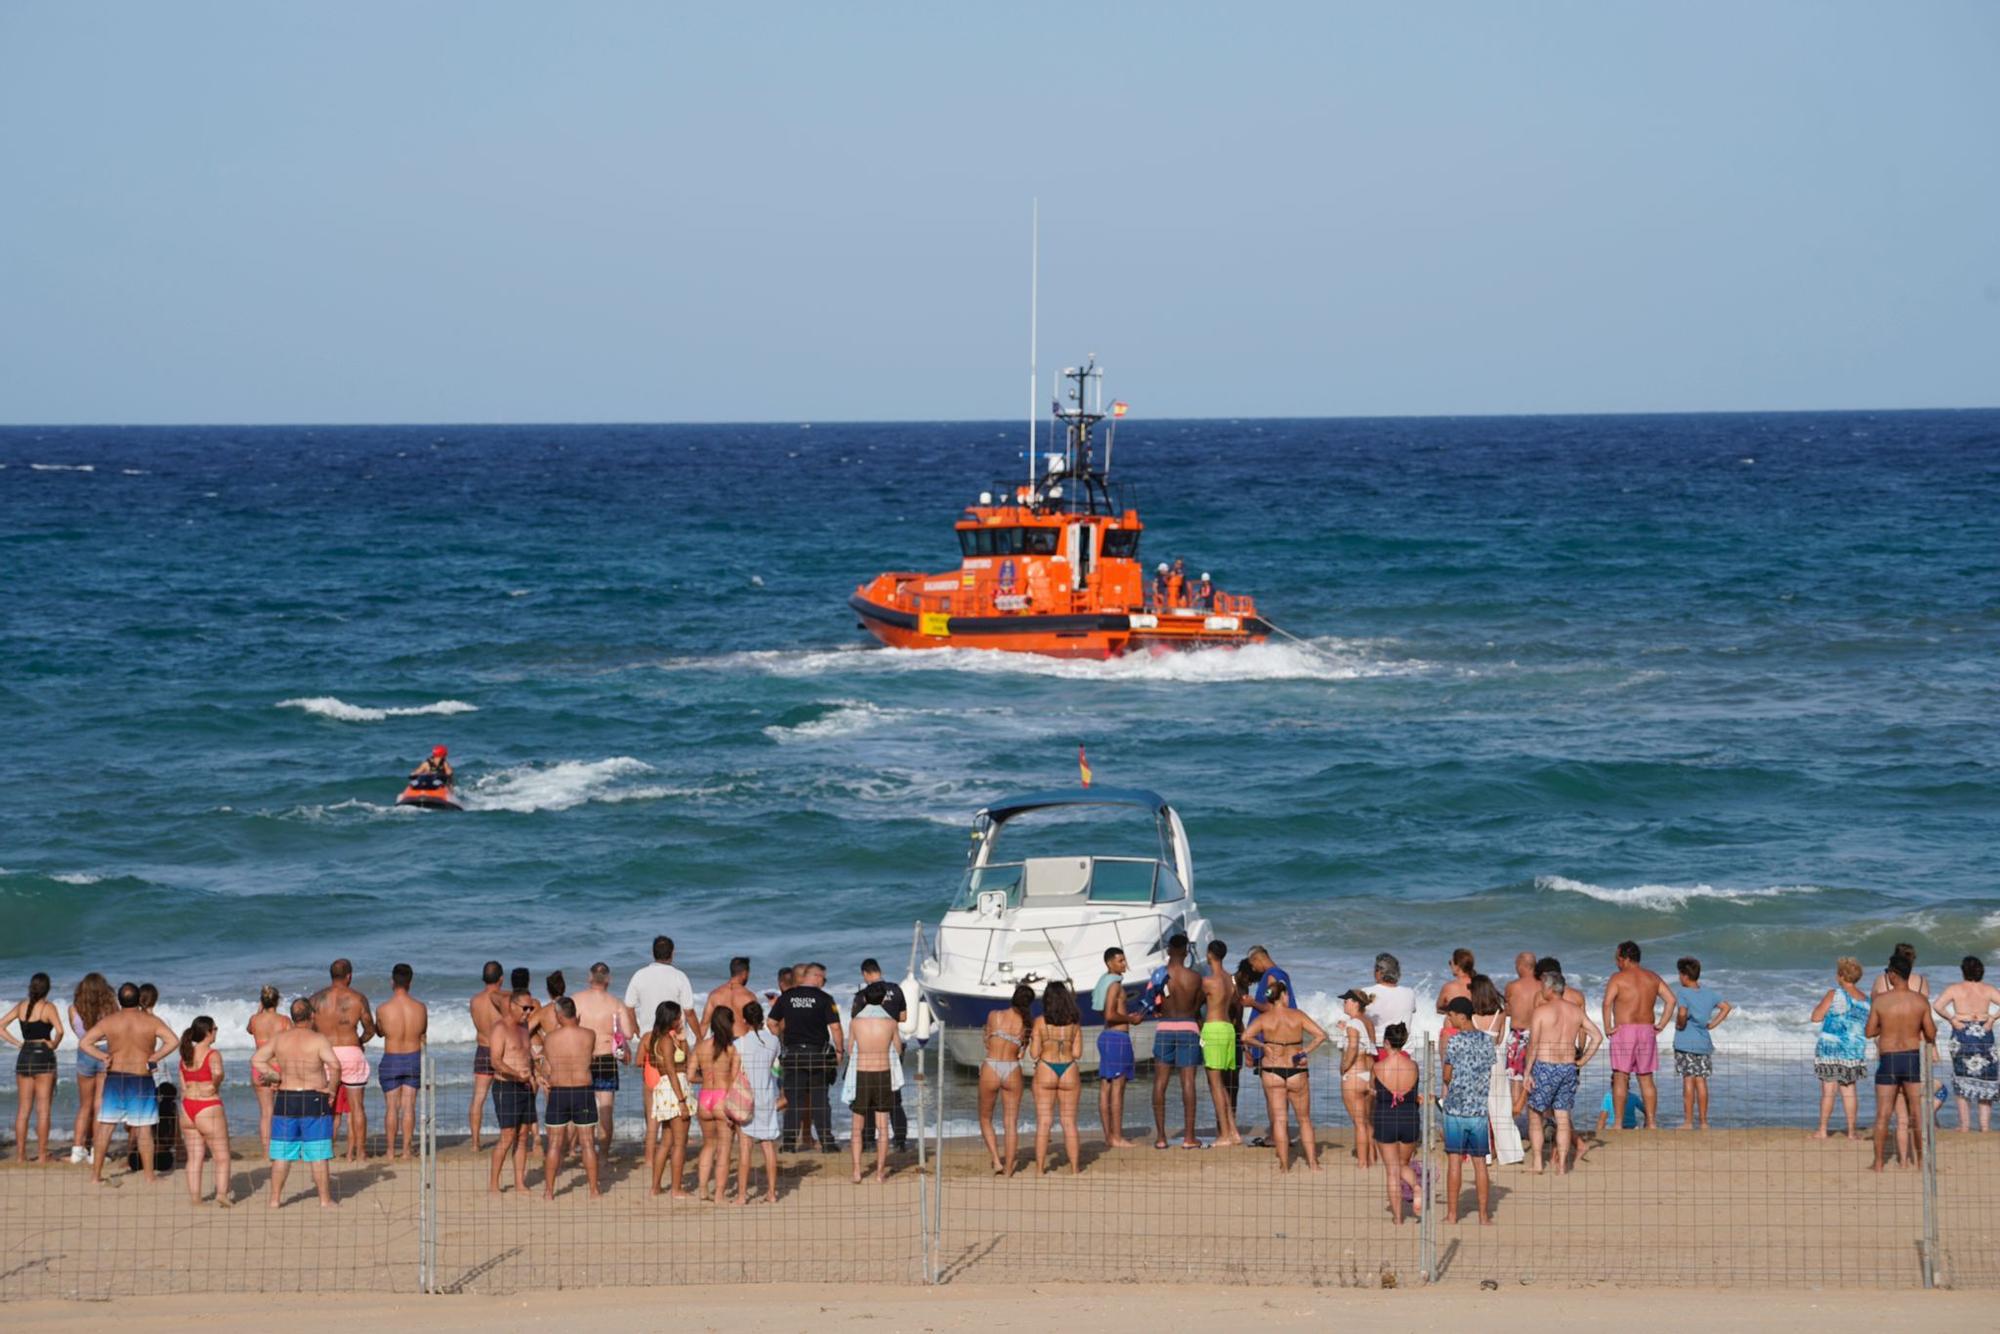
pixel 907 1028
pixel 926 1019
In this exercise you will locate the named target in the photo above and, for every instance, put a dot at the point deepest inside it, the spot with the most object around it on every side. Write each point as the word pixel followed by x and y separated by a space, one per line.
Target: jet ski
pixel 433 792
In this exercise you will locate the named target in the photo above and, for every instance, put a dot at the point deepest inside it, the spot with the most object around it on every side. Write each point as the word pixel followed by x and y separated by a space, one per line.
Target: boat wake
pixel 561 786
pixel 1325 659
pixel 327 706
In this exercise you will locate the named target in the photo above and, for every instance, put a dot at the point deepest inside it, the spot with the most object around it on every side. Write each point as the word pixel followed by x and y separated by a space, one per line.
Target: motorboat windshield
pixel 1137 852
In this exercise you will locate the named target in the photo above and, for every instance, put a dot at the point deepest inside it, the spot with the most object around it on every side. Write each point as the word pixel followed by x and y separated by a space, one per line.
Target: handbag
pixel 740 1103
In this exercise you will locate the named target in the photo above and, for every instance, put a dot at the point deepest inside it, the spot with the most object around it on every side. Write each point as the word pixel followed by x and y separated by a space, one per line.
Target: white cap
pixel 1163 565
pixel 1204 576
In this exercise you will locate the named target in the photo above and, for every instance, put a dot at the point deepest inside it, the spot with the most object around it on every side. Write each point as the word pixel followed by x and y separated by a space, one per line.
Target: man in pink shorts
pixel 1638 1004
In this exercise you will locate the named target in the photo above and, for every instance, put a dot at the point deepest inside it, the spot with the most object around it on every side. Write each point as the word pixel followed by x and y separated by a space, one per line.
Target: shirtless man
pixel 513 1089
pixel 1900 1023
pixel 878 1044
pixel 1114 1048
pixel 1638 1006
pixel 403 1021
pixel 342 1016
pixel 1218 1040
pixel 1177 1043
pixel 302 1063
pixel 1460 984
pixel 1521 995
pixel 611 1023
pixel 569 1061
pixel 733 995
pixel 136 1041
pixel 485 1007
pixel 1968 1007
pixel 1555 1062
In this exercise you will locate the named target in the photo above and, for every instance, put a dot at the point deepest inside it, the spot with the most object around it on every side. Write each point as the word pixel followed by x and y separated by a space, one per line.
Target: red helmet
pixel 438 752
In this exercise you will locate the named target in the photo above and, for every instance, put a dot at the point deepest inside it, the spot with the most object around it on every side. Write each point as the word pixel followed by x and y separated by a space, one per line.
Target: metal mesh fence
pixel 823 1226
pixel 62 1235
pixel 1756 1200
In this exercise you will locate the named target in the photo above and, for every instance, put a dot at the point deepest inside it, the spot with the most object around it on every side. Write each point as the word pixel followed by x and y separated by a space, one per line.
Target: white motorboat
pixel 1093 868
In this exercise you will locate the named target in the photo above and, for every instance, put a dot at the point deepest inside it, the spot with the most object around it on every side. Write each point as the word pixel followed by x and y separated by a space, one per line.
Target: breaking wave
pixel 327 706
pixel 1664 898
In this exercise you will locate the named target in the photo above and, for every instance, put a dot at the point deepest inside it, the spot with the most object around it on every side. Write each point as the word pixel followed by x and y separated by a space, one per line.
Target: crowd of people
pixel 756 1075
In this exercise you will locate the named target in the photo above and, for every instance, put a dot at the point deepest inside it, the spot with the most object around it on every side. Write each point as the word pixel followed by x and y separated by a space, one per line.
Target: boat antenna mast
pixel 1034 312
pixel 1084 410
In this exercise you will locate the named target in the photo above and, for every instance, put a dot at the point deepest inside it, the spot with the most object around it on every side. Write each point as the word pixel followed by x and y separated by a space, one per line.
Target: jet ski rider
pixel 435 765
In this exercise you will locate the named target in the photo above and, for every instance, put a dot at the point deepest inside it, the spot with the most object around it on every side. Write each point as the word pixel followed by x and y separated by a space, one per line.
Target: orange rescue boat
pixel 1053 567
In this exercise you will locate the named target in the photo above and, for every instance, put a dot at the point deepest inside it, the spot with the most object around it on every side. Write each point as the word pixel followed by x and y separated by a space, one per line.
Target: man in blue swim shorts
pixel 130 1041
pixel 1177 1043
pixel 1469 1060
pixel 1115 1065
pixel 1900 1022
pixel 403 1022
pixel 1561 1040
pixel 302 1063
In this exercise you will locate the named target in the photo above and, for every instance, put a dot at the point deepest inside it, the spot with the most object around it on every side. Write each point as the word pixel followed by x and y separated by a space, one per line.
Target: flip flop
pixel 1259 1142
pixel 1159 1144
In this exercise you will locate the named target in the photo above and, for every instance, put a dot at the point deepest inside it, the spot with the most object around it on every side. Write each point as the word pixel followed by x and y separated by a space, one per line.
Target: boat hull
pixel 1079 635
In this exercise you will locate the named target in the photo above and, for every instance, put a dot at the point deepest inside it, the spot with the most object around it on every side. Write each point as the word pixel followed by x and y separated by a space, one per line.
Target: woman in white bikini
pixel 1000 1075
pixel 1357 1062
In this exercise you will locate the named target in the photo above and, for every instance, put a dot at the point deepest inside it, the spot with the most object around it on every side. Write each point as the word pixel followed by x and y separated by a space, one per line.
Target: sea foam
pixel 327 706
pixel 527 788
pixel 1664 898
pixel 1325 659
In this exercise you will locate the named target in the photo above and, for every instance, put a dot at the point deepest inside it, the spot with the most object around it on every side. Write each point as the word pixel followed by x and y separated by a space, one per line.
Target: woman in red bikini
pixel 201 1104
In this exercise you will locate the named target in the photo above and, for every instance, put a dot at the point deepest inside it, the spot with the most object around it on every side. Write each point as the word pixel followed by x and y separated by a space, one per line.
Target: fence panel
pixel 1748 1202
pixel 62 1236
pixel 1143 1214
pixel 1757 1200
pixel 824 1227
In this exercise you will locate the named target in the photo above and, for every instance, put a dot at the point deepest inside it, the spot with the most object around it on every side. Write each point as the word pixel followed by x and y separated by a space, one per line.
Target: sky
pixel 508 211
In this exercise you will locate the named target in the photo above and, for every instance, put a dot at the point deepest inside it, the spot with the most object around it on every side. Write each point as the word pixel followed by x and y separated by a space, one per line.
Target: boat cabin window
pixel 1122 542
pixel 1170 889
pixel 1009 541
pixel 1122 882
pixel 982 879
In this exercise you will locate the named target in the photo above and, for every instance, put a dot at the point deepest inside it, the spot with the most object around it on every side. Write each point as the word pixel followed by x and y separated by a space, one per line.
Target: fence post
pixel 427 1219
pixel 1928 1245
pixel 942 1037
pixel 1427 1219
pixel 924 1185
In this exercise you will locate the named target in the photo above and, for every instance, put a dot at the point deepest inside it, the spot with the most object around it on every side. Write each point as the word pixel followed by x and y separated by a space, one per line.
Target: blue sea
pixel 1724 684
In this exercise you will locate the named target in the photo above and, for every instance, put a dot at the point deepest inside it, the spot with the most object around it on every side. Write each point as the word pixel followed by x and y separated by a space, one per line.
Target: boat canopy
pixel 1006 809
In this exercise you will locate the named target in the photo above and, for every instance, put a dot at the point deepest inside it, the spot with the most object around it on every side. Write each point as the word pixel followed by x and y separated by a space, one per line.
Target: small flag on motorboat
pixel 1120 408
pixel 1083 766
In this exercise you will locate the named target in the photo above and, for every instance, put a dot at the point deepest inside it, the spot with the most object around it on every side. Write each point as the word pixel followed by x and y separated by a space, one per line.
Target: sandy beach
pixel 1002 1308
pixel 1751 1209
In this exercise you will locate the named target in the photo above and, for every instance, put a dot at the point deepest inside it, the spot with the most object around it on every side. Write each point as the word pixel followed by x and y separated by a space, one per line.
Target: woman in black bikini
pixel 1057 1044
pixel 1282 1032
pixel 1398 1126
pixel 35 1067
